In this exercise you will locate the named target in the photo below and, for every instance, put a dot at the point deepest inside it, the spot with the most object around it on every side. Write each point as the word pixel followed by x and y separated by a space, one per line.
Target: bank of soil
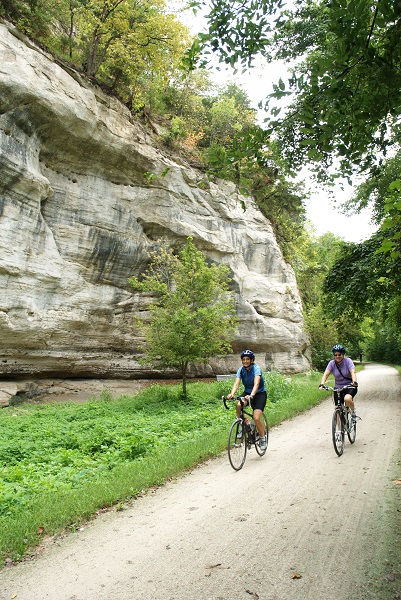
pixel 297 524
pixel 82 390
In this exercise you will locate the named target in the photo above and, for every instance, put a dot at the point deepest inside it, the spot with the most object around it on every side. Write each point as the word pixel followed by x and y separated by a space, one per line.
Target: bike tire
pixel 237 446
pixel 258 448
pixel 351 427
pixel 338 433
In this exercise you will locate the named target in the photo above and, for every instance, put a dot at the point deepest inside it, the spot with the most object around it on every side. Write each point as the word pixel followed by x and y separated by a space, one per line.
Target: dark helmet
pixel 338 348
pixel 248 353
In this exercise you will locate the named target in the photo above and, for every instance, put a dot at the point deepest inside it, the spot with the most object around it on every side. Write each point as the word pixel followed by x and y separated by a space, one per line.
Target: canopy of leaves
pixel 312 261
pixel 374 191
pixel 346 85
pixel 124 44
pixel 384 343
pixel 357 278
pixel 194 317
pixel 364 283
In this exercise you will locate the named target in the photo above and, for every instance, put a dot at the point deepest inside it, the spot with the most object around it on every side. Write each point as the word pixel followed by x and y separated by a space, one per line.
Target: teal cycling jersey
pixel 248 378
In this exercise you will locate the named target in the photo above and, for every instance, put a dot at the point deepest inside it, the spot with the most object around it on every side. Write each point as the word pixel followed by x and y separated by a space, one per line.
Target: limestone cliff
pixel 78 216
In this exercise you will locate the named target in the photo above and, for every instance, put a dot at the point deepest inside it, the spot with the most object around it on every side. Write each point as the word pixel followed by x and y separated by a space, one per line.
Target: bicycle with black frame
pixel 243 434
pixel 342 420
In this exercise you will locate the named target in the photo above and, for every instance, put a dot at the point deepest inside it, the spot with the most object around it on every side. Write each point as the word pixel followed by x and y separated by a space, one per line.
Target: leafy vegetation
pixel 345 84
pixel 193 317
pixel 61 463
pixel 364 287
pixel 128 46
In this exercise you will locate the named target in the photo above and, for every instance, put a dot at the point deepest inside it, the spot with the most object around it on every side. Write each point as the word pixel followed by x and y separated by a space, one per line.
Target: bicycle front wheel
pixel 351 427
pixel 259 450
pixel 337 429
pixel 237 444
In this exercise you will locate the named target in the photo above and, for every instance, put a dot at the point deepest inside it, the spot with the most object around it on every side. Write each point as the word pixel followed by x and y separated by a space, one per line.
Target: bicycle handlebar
pixel 345 387
pixel 235 399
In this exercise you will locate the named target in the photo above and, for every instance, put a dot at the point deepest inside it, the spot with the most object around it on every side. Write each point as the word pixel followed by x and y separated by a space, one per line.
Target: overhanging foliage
pixel 346 82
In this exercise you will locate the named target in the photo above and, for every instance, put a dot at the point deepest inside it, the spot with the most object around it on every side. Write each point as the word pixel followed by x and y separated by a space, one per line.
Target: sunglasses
pixel 338 355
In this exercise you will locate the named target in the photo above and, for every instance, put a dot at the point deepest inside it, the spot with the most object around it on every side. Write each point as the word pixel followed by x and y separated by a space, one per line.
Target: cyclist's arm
pixel 256 384
pixel 235 387
pixel 353 375
pixel 325 376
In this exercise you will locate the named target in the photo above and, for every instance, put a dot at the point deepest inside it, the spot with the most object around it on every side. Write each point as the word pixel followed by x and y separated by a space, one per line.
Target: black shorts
pixel 259 401
pixel 351 391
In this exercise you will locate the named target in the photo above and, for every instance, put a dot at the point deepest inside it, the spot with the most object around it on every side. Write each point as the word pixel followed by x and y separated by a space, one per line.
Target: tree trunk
pixel 71 31
pixel 91 67
pixel 184 369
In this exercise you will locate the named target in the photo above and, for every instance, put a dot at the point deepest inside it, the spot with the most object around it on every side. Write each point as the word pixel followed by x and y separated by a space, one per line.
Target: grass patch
pixel 302 395
pixel 61 463
pixel 396 367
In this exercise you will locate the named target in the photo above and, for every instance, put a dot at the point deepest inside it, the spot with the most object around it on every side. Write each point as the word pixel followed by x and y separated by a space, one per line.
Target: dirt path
pixel 298 524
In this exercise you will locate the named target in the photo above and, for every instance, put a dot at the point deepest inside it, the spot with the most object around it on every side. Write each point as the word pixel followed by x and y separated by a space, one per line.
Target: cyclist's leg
pixel 349 399
pixel 257 417
pixel 258 405
pixel 261 443
pixel 238 407
pixel 351 426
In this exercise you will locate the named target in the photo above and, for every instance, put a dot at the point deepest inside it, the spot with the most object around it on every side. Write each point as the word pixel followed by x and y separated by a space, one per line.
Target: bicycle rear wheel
pixel 351 427
pixel 237 444
pixel 259 450
pixel 337 430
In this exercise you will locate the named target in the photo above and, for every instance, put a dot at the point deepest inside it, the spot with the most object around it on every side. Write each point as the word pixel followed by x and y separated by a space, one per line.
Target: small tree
pixel 193 317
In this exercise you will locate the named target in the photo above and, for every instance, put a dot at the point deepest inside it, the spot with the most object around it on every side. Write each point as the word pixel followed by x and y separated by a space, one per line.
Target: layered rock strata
pixel 79 212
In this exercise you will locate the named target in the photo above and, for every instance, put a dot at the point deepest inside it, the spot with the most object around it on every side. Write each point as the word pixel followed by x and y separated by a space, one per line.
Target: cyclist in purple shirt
pixel 254 390
pixel 344 373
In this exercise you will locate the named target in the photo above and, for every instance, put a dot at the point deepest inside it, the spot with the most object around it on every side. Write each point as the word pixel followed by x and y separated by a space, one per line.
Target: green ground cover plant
pixel 62 463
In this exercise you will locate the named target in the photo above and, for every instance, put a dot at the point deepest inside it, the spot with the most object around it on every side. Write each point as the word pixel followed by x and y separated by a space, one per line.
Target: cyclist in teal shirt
pixel 250 374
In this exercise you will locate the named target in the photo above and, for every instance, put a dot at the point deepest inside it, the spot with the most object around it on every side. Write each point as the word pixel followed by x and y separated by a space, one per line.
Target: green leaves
pixel 129 46
pixel 391 225
pixel 362 275
pixel 193 317
pixel 48 448
pixel 238 31
pixel 346 81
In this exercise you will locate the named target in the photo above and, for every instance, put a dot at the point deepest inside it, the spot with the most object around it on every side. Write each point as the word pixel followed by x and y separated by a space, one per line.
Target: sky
pixel 322 210
pixel 327 217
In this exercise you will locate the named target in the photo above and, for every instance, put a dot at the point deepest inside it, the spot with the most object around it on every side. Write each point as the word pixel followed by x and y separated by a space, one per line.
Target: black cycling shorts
pixel 259 401
pixel 351 391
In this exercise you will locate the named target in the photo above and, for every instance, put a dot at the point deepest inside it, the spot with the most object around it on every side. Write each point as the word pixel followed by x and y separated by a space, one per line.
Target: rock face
pixel 78 216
